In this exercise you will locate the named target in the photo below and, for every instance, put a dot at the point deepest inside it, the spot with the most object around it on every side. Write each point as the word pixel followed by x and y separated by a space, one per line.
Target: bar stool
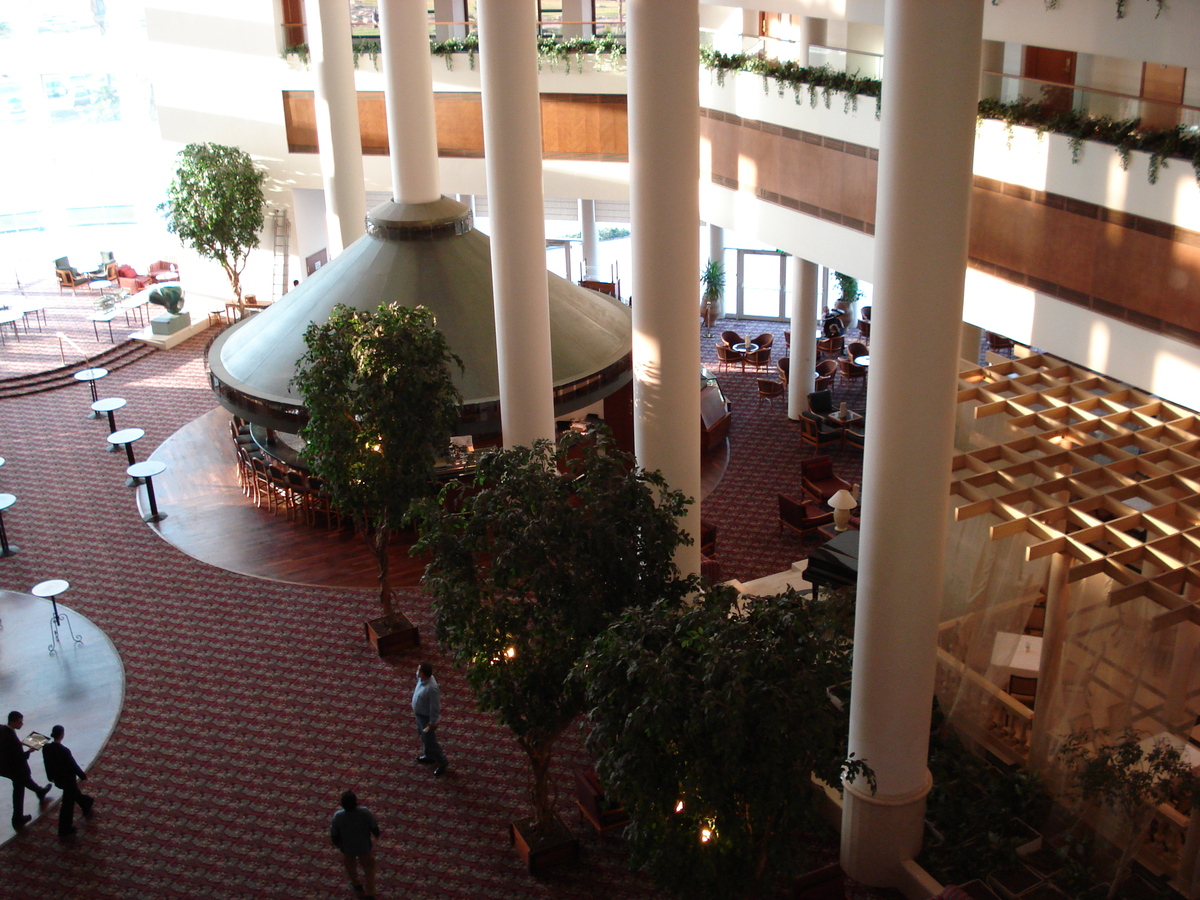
pixel 6 549
pixel 50 590
pixel 125 438
pixel 109 405
pixel 91 376
pixel 144 472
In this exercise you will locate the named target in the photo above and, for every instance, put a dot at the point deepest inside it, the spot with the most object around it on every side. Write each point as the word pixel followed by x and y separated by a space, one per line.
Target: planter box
pixel 1024 837
pixel 1044 891
pixel 550 845
pixel 1011 882
pixel 390 638
pixel 1044 861
pixel 977 890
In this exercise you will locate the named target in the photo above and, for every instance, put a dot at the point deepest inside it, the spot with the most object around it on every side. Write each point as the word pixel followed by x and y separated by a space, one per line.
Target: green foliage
pixel 790 73
pixel 712 277
pixel 535 562
pixel 381 406
pixel 215 205
pixel 849 288
pixel 1120 773
pixel 723 711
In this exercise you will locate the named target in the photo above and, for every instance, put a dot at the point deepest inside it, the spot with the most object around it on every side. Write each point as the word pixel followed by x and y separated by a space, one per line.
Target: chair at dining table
pixel 727 356
pixel 826 370
pixel 855 349
pixel 851 370
pixel 730 338
pixel 784 366
pixel 831 346
pixel 770 390
pixel 760 358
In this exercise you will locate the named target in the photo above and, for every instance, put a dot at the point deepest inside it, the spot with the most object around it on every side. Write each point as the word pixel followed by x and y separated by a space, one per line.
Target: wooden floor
pixel 79 686
pixel 210 519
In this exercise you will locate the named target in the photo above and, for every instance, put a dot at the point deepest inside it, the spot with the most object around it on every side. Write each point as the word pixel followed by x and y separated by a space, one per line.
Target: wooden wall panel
pixel 574 126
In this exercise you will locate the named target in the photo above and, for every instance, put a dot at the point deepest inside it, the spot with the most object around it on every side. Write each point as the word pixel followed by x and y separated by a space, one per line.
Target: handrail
pixel 1187 115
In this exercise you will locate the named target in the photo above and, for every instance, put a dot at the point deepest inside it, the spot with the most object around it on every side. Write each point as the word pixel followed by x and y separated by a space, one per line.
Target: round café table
pixel 125 438
pixel 91 376
pixel 6 549
pixel 109 405
pixel 144 472
pixel 50 590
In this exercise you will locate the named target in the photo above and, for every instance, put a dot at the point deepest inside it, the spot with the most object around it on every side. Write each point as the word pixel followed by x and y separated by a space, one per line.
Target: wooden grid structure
pixel 1091 468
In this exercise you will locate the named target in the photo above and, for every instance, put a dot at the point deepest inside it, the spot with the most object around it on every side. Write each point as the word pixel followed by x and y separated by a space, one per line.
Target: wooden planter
pixel 548 846
pixel 392 637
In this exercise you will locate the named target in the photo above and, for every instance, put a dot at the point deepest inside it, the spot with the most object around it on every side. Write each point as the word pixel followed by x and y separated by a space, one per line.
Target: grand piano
pixel 835 564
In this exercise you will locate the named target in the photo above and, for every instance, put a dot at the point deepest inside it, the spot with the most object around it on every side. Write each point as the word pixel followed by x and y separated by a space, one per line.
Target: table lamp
pixel 842 502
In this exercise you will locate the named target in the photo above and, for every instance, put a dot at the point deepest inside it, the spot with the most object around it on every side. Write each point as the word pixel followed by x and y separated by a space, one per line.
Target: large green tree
pixel 526 570
pixel 382 405
pixel 708 722
pixel 215 205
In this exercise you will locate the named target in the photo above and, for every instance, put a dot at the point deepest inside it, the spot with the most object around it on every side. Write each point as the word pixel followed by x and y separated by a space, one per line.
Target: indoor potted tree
pixel 215 206
pixel 526 569
pixel 712 279
pixel 381 407
pixel 706 728
pixel 1131 774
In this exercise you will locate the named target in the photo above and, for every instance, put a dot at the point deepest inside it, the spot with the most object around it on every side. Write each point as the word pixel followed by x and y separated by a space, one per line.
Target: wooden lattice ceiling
pixel 1090 468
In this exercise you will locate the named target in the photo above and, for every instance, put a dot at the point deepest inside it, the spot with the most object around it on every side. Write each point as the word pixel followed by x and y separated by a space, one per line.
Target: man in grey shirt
pixel 351 831
pixel 426 705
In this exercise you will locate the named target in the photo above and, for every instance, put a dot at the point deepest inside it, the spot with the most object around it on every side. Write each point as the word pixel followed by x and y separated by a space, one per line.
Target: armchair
pixel 818 478
pixel 727 356
pixel 831 346
pixel 852 370
pixel 69 278
pixel 821 402
pixel 760 358
pixel 128 278
pixel 766 339
pixel 161 270
pixel 784 366
pixel 801 517
pixel 826 370
pixel 814 430
pixel 769 390
pixel 855 349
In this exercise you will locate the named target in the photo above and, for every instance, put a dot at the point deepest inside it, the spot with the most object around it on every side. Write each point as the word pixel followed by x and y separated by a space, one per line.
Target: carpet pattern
pixel 251 705
pixel 765 461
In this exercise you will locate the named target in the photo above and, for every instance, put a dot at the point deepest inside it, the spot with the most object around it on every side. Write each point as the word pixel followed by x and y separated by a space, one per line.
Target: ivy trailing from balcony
pixel 802 79
pixel 1125 135
pixel 551 50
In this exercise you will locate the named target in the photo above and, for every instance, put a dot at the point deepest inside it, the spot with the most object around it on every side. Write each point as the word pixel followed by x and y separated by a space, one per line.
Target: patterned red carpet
pixel 250 705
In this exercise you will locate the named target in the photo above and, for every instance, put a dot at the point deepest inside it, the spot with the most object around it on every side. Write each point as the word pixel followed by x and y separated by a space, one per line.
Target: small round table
pixel 91 376
pixel 144 472
pixel 125 438
pixel 864 361
pixel 6 549
pixel 745 347
pixel 51 590
pixel 109 405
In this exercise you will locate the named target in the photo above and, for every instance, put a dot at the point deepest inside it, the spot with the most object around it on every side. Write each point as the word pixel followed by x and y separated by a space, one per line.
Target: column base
pixel 879 833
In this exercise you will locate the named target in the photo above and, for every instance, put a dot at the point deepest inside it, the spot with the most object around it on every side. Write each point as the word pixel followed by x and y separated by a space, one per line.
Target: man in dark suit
pixel 14 765
pixel 62 769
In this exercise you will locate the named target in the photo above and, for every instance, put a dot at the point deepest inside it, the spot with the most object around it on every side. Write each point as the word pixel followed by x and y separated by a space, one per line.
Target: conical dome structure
pixel 421 254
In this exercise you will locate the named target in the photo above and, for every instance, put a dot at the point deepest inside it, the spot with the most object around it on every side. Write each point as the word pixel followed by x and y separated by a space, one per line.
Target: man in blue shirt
pixel 426 704
pixel 351 831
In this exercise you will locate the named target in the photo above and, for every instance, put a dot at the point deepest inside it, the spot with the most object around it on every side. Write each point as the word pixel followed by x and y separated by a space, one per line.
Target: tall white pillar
pixel 927 141
pixel 577 19
pixel 802 306
pixel 591 239
pixel 808 31
pixel 664 159
pixel 716 243
pixel 412 129
pixel 512 140
pixel 451 16
pixel 331 56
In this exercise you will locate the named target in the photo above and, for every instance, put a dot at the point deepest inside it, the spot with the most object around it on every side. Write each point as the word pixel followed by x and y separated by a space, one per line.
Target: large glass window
pixel 761 278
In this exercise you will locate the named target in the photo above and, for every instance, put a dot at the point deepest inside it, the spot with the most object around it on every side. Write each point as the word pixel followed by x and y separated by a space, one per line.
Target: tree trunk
pixel 1131 849
pixel 378 538
pixel 540 756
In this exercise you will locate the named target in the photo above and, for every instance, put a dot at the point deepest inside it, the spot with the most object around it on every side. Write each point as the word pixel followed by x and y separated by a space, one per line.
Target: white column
pixel 716 243
pixel 591 239
pixel 512 139
pixel 446 11
pixel 332 59
pixel 802 304
pixel 808 31
pixel 577 18
pixel 467 200
pixel 927 141
pixel 412 129
pixel 969 338
pixel 664 159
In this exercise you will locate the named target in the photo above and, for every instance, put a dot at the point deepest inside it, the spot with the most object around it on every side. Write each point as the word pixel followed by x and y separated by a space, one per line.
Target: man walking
pixel 351 831
pixel 426 704
pixel 62 769
pixel 14 765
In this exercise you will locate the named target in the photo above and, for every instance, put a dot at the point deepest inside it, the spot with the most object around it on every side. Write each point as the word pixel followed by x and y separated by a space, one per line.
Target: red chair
pixel 801 517
pixel 818 478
